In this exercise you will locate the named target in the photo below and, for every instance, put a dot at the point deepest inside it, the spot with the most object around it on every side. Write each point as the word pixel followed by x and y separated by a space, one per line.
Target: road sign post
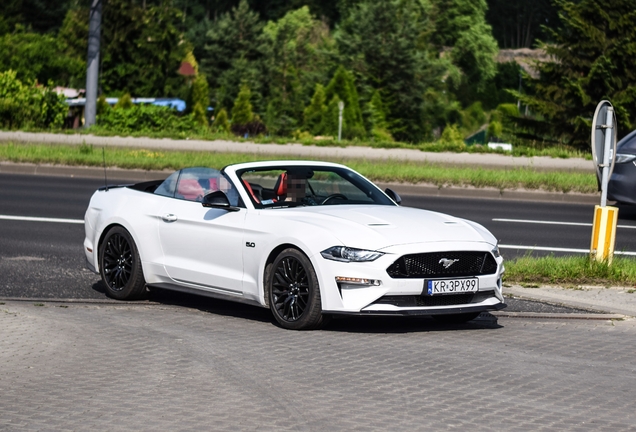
pixel 604 154
pixel 340 108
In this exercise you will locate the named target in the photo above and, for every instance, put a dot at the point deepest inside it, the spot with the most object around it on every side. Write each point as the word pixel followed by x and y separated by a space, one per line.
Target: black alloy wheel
pixel 120 265
pixel 294 293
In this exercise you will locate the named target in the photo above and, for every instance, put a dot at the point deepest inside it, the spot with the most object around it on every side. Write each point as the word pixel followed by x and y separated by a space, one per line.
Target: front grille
pixel 431 265
pixel 438 300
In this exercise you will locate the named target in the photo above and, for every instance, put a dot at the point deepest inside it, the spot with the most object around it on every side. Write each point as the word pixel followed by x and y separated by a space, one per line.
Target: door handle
pixel 169 217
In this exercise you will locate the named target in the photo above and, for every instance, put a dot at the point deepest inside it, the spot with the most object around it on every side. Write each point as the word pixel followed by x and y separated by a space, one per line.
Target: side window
pixel 169 185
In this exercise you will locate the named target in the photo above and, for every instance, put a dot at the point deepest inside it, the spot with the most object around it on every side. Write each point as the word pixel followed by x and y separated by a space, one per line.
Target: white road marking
pixel 555 223
pixel 40 219
pixel 555 249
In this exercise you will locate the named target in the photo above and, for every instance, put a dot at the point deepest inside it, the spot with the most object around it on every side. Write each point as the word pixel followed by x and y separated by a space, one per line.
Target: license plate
pixel 452 286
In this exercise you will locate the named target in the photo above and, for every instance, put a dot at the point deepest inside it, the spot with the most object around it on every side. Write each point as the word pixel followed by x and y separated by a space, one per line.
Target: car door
pixel 203 246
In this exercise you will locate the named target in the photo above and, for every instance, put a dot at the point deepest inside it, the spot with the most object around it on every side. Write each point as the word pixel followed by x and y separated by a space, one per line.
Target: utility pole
pixel 92 62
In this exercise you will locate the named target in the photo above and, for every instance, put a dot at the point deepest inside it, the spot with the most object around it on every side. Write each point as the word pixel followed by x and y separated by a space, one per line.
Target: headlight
pixel 347 254
pixel 624 158
pixel 495 251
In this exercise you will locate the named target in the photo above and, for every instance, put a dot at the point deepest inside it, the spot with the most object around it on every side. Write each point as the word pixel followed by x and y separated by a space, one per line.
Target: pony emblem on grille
pixel 447 262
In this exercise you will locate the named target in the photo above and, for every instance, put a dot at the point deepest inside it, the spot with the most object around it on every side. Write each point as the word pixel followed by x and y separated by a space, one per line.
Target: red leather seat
pixel 251 192
pixel 280 188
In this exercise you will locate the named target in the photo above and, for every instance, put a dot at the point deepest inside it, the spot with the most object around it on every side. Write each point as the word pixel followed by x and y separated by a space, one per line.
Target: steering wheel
pixel 333 196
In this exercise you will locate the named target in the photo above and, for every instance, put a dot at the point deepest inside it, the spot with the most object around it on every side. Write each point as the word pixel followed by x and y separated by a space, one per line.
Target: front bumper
pixel 402 296
pixel 425 311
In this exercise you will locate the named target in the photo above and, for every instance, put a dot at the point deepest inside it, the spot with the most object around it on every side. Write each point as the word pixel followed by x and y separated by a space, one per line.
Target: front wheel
pixel 120 266
pixel 294 292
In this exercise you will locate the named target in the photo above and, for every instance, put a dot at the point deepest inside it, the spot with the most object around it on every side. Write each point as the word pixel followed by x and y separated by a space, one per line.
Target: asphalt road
pixel 45 259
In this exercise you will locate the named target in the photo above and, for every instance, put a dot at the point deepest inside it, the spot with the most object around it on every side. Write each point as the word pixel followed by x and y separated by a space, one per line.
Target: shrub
pixel 255 127
pixel 495 129
pixel 242 110
pixel 27 105
pixel 221 123
pixel 124 102
pixel 200 99
pixel 145 118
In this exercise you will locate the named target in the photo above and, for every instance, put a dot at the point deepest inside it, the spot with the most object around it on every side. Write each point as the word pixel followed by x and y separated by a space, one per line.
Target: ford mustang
pixel 306 239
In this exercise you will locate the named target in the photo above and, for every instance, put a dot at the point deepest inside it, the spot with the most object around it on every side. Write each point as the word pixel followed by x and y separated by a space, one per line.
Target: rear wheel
pixel 120 266
pixel 294 292
pixel 456 318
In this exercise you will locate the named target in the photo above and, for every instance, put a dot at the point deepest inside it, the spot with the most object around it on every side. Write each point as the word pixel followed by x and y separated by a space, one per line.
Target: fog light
pixel 357 281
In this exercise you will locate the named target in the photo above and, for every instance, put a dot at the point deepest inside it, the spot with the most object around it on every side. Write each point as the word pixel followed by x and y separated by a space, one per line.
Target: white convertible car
pixel 306 239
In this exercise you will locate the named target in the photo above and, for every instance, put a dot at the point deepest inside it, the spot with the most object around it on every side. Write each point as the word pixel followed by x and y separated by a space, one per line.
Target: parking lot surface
pixel 212 365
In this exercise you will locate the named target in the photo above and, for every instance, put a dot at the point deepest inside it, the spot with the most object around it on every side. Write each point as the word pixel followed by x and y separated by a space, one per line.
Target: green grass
pixel 571 270
pixel 384 171
pixel 558 151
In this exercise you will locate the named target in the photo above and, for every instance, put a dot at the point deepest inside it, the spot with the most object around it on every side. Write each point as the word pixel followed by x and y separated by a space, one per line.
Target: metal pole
pixel 340 108
pixel 92 62
pixel 609 124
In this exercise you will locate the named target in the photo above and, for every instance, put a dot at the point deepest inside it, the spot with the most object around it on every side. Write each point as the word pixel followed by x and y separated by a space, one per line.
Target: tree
pixel 315 112
pixel 221 123
pixel 28 104
pixel 520 23
pixel 242 110
pixel 141 47
pixel 200 99
pixel 376 118
pixel 342 88
pixel 386 45
pixel 295 50
pixel 233 55
pixel 593 58
pixel 38 16
pixel 461 24
pixel 38 57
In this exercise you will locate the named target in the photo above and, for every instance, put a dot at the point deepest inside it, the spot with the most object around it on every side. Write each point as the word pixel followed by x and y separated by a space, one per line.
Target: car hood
pixel 377 227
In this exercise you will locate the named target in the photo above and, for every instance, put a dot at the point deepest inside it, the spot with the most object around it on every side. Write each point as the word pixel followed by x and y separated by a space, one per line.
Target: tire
pixel 456 318
pixel 120 266
pixel 294 292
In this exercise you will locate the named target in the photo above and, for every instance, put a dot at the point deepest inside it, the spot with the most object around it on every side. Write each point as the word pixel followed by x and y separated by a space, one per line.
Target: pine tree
pixel 343 87
pixel 233 55
pixel 376 115
pixel 593 58
pixel 221 123
pixel 386 45
pixel 200 98
pixel 242 110
pixel 295 49
pixel 315 112
pixel 124 102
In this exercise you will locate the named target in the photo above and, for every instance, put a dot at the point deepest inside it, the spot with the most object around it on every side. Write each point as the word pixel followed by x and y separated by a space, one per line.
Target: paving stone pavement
pixel 224 366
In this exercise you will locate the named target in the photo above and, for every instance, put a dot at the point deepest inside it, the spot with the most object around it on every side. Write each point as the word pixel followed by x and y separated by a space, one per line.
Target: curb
pixel 570 316
pixel 611 304
pixel 136 175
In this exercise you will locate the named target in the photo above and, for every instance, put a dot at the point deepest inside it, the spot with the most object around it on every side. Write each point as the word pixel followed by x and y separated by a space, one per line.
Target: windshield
pixel 294 186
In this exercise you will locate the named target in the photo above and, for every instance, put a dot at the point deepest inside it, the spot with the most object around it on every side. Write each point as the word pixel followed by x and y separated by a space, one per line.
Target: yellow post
pixel 604 233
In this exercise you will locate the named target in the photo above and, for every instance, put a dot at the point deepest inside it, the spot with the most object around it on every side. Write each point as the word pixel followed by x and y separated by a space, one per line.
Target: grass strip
pixel 554 151
pixel 385 171
pixel 571 270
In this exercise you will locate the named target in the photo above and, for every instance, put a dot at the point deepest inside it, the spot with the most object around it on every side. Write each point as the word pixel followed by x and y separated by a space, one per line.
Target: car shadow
pixel 339 323
pixel 398 324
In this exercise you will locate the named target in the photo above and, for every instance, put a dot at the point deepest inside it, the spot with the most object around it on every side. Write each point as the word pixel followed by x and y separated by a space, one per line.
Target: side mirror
pixel 218 200
pixel 393 195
